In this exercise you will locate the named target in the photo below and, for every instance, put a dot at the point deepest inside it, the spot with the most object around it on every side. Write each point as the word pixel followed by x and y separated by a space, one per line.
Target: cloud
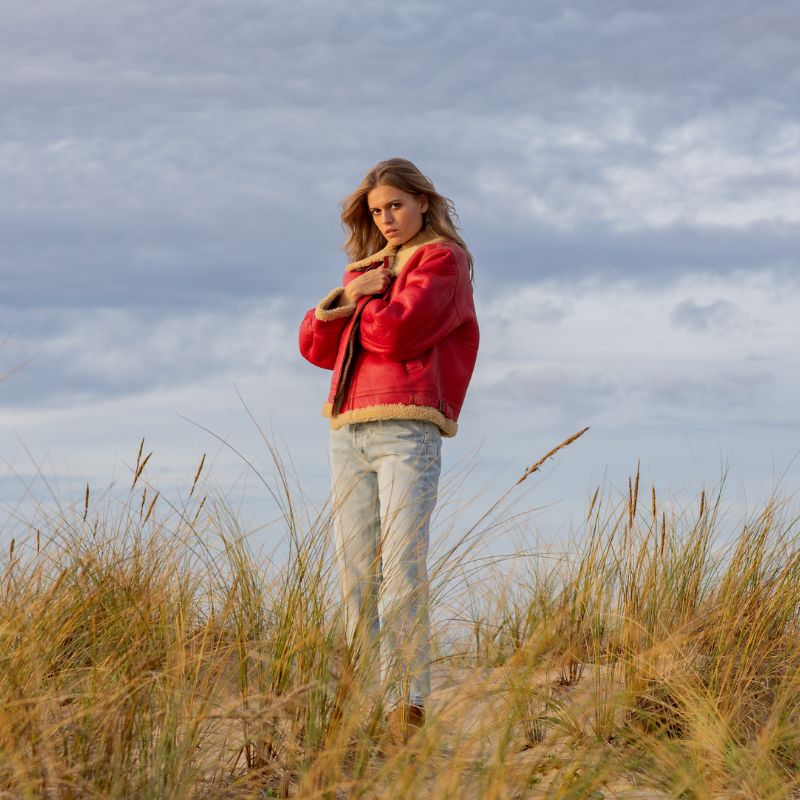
pixel 582 393
pixel 720 392
pixel 699 317
pixel 622 354
pixel 641 394
pixel 195 154
pixel 88 356
pixel 650 258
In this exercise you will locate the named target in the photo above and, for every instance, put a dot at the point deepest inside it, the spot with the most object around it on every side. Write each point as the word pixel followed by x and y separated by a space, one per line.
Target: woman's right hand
pixel 375 281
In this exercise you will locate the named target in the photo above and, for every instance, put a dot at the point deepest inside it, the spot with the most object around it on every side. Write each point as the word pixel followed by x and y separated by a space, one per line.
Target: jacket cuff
pixel 327 309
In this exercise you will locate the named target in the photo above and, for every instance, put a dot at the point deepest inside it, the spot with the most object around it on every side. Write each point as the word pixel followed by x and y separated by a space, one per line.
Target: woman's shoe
pixel 404 719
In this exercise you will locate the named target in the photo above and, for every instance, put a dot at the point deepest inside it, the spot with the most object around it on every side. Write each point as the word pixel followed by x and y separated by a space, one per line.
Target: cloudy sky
pixel 626 174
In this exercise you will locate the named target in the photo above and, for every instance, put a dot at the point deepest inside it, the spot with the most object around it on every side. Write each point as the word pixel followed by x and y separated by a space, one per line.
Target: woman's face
pixel 397 214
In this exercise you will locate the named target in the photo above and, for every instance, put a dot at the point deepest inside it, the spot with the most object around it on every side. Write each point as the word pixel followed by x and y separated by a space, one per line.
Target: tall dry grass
pixel 146 652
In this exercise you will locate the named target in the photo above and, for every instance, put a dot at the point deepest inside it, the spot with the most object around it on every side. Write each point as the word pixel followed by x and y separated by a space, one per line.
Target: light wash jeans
pixel 385 479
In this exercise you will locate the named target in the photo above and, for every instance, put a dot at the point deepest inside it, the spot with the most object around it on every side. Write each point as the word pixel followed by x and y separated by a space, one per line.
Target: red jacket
pixel 408 354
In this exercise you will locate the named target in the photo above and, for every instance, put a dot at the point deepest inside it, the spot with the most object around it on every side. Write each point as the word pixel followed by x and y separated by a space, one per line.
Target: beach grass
pixel 146 651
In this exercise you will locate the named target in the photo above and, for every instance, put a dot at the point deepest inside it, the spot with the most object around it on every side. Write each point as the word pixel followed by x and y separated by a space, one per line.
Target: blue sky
pixel 626 175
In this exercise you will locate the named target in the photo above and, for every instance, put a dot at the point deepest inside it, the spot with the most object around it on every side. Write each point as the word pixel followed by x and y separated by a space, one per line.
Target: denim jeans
pixel 385 479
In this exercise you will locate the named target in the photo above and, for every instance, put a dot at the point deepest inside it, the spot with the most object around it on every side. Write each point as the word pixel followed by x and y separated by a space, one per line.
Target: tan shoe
pixel 403 720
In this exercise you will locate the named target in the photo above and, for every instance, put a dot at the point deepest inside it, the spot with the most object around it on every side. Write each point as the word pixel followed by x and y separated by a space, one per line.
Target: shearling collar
pixel 398 256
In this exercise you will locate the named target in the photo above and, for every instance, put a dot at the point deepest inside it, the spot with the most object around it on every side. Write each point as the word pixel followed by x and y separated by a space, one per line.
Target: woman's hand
pixel 375 281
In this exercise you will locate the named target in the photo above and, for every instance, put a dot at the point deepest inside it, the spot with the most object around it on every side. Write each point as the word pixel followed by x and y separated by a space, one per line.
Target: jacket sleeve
pixel 418 316
pixel 322 327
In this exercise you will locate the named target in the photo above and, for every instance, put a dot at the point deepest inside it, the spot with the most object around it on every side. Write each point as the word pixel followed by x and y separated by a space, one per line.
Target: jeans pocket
pixel 428 432
pixel 415 432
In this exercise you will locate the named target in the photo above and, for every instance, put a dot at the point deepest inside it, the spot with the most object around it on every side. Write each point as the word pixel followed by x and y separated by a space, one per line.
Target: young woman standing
pixel 401 337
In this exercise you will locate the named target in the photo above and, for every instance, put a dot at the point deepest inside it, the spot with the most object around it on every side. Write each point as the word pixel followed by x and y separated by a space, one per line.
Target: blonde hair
pixel 365 238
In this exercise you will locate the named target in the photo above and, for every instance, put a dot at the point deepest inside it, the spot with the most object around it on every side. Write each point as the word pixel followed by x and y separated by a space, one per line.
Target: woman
pixel 401 337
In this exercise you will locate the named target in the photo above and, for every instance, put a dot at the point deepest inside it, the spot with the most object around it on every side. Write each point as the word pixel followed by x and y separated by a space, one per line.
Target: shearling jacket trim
pixel 448 427
pixel 328 309
pixel 397 256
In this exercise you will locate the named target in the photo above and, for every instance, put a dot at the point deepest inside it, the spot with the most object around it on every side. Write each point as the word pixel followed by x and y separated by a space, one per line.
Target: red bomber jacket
pixel 408 354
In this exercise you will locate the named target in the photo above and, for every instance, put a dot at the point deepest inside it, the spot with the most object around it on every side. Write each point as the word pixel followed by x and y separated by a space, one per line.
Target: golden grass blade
pixel 535 466
pixel 197 474
pixel 150 508
pixel 140 468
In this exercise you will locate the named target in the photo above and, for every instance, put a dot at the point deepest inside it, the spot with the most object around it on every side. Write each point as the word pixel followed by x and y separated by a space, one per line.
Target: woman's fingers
pixel 376 281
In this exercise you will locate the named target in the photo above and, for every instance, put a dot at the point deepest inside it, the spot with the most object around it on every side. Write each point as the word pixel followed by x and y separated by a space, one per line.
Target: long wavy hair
pixel 364 236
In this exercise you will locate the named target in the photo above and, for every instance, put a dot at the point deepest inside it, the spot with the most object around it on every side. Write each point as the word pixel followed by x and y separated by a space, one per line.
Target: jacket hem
pixel 374 413
pixel 327 308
